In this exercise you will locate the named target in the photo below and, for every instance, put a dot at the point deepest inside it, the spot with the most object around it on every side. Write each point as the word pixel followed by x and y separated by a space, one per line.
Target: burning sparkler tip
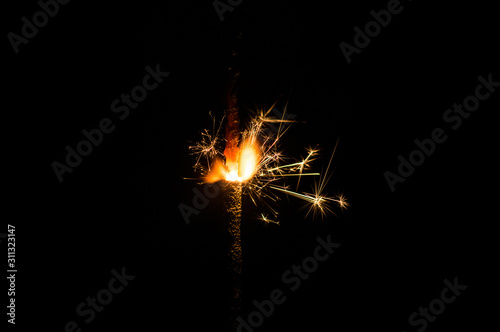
pixel 252 160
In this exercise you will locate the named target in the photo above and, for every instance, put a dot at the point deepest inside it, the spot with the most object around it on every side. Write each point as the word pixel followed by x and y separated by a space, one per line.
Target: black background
pixel 119 208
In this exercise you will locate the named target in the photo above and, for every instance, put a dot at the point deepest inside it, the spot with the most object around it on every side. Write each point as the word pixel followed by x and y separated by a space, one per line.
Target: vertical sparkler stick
pixel 234 188
pixel 232 115
pixel 253 167
pixel 233 208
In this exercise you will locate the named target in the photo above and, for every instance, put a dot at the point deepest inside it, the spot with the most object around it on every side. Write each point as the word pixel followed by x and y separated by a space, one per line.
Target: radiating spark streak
pixel 327 178
pixel 304 174
pixel 270 109
pixel 284 166
pixel 267 220
pixel 278 121
pixel 319 203
pixel 309 155
pixel 295 194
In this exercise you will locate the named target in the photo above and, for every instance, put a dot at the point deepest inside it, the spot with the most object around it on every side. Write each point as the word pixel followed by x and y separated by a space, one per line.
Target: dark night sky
pixel 119 207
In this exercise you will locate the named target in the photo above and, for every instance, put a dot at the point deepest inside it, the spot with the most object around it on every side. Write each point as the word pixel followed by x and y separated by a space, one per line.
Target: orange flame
pixel 217 173
pixel 240 166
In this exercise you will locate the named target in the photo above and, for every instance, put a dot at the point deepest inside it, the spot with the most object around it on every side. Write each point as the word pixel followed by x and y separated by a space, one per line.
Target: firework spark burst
pixel 207 146
pixel 262 169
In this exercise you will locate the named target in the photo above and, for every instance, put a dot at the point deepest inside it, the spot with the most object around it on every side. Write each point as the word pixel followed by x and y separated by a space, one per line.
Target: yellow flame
pixel 249 159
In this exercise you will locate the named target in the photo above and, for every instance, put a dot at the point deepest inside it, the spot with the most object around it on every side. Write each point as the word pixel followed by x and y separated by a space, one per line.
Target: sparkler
pixel 252 164
pixel 258 165
pixel 233 190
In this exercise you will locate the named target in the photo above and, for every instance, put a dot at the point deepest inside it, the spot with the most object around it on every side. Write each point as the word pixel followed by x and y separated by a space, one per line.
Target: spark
pixel 260 167
pixel 267 220
pixel 207 146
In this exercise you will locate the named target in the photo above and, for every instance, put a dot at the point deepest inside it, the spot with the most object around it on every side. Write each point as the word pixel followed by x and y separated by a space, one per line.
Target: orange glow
pixel 239 167
pixel 217 173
